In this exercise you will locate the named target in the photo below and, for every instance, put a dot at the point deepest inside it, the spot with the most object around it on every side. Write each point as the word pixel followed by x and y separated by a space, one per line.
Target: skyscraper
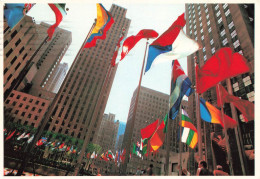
pixel 80 107
pixel 152 105
pixel 215 26
pixel 58 77
pixel 28 103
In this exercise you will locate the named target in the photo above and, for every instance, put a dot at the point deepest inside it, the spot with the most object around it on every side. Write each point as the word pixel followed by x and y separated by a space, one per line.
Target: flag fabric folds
pixel 93 155
pixel 41 141
pixel 158 137
pixel 222 65
pixel 148 131
pixel 131 41
pixel 114 61
pixel 189 131
pixel 104 22
pixel 244 106
pixel 60 12
pixel 173 44
pixel 211 114
pixel 180 86
pixel 10 135
pixel 15 12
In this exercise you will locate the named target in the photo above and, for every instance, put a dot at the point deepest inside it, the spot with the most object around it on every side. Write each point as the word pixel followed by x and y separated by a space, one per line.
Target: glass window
pixel 223 32
pixel 224 42
pixel 236 43
pixel 207 16
pixel 205 57
pixel 202 37
pixel 210 29
pixel 216 7
pixel 227 12
pixel 213 50
pixel 220 20
pixel 233 34
pixel 218 13
pixel 225 6
pixel 211 41
pixel 231 25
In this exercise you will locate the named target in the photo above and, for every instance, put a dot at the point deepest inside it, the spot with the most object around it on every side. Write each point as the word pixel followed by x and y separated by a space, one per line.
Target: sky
pixel 153 15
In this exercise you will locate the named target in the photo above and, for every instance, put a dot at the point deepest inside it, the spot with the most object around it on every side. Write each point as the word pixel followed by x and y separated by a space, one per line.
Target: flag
pixel 68 148
pixel 180 86
pixel 21 136
pixel 104 157
pixel 104 22
pixel 114 61
pixel 13 13
pixel 123 156
pixel 189 131
pixel 144 146
pixel 60 12
pixel 88 155
pixel 61 145
pixel 30 139
pixel 41 141
pixel 148 131
pixel 222 65
pixel 10 136
pixel 166 123
pixel 173 43
pixel 131 41
pixel 211 114
pixel 110 154
pixel 244 106
pixel 93 155
pixel 74 150
pixel 158 137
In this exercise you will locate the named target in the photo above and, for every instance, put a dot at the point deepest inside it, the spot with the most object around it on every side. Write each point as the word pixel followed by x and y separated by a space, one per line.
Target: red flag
pixel 61 145
pixel 10 136
pixel 130 42
pixel 149 130
pixel 158 137
pixel 244 106
pixel 113 61
pixel 224 64
pixel 88 155
pixel 59 10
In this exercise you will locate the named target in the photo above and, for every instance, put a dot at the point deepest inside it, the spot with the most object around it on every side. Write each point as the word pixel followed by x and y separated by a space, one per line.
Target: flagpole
pixel 197 96
pixel 230 162
pixel 128 143
pixel 29 148
pixel 168 141
pixel 237 132
pixel 180 143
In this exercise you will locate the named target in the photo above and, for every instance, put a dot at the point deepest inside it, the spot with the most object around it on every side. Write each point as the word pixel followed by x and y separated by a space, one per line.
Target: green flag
pixel 165 123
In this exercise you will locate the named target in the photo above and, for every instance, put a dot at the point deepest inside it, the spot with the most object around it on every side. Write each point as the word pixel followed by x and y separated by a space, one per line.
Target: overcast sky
pixel 158 16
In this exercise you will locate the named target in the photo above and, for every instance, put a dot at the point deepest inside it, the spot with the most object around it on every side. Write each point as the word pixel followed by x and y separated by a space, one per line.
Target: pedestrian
pixel 202 169
pixel 149 170
pixel 138 172
pixel 185 172
pixel 219 171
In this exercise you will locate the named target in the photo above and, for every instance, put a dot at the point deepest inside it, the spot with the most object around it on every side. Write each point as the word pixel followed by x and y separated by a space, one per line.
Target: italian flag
pixel 59 10
pixel 189 132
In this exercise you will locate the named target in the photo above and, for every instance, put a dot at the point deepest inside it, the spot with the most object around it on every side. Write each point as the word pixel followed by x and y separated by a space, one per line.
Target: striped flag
pixel 180 86
pixel 103 24
pixel 189 132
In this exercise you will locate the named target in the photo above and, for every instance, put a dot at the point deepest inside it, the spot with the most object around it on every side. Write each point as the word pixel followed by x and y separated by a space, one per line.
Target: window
pixel 220 20
pixel 207 16
pixel 204 49
pixel 224 42
pixel 222 33
pixel 218 13
pixel 210 29
pixel 202 37
pixel 9 52
pixel 216 7
pixel 211 41
pixel 236 43
pixel 213 50
pixel 231 25
pixel 18 42
pixel 30 101
pixel 22 49
pixel 205 57
pixel 227 12
pixel 233 34
pixel 208 23
pixel 225 6
pixel 201 31
pixel 206 10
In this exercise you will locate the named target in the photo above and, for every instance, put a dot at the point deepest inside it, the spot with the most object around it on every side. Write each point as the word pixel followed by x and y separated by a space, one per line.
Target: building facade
pixel 58 77
pixel 80 107
pixel 152 105
pixel 215 26
pixel 25 42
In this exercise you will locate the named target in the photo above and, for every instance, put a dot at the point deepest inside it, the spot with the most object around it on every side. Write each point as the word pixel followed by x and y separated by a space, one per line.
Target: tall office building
pixel 57 78
pixel 29 102
pixel 152 105
pixel 107 135
pixel 82 101
pixel 215 26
